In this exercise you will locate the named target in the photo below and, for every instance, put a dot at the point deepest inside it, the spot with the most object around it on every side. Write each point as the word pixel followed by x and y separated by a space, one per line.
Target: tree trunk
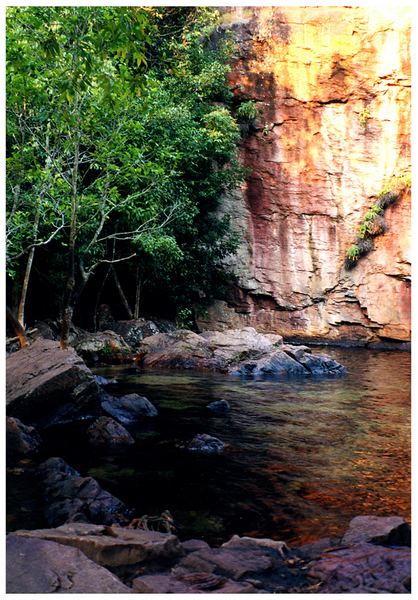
pixel 121 293
pixel 68 299
pixel 18 329
pixel 138 292
pixel 25 285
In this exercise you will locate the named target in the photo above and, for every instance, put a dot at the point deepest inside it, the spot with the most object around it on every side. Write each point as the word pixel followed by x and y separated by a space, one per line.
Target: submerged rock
pixel 70 497
pixel 238 351
pixel 37 566
pixel 205 444
pixel 108 433
pixel 219 406
pixel 45 383
pixel 128 409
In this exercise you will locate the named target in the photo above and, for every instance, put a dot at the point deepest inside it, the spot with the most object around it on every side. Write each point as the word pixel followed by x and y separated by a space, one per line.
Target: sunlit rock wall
pixel 332 89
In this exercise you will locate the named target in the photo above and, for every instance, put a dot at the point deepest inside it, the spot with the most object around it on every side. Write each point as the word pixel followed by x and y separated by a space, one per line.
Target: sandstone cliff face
pixel 332 89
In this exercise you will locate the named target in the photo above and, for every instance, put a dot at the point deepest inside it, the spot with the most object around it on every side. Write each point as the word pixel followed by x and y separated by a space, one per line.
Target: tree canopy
pixel 120 143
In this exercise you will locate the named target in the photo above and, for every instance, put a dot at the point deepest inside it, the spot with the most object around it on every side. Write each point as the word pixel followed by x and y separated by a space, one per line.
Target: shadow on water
pixel 303 457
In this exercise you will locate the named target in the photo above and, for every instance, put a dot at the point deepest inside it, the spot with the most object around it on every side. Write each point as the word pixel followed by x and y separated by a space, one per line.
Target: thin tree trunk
pixel 138 292
pixel 99 295
pixel 121 293
pixel 68 299
pixel 18 329
pixel 26 278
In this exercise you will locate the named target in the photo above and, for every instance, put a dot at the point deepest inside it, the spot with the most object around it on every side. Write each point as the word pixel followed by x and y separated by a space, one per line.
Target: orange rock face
pixel 332 90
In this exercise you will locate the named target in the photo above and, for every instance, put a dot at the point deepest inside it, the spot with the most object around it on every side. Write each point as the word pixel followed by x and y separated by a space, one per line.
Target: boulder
pixel 45 383
pixel 128 409
pixel 364 569
pixel 102 346
pixel 135 330
pixel 70 497
pixel 320 365
pixel 205 444
pixel 193 545
pixel 36 566
pixel 219 406
pixel 20 439
pixel 378 530
pixel 112 546
pixel 277 364
pixel 238 351
pixel 108 433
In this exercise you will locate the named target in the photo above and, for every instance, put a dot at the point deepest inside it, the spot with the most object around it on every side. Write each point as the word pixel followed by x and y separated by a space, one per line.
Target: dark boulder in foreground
pixel 70 497
pixel 128 409
pixel 45 383
pixel 36 566
pixel 242 352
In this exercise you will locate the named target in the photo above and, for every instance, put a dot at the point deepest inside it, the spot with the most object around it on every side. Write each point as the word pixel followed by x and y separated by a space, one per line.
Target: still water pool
pixel 303 457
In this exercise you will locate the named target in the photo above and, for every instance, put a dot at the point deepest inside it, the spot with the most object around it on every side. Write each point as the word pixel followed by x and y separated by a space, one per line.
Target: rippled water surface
pixel 303 457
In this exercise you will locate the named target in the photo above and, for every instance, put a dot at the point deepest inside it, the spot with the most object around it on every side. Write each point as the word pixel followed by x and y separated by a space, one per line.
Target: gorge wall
pixel 332 90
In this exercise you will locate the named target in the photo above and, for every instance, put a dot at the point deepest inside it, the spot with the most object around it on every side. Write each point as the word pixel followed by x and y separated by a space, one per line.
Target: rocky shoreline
pixel 95 545
pixel 85 558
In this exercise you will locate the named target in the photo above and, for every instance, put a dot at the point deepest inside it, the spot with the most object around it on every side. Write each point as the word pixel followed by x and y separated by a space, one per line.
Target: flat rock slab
pixel 42 378
pixel 364 568
pixel 36 566
pixel 112 546
pixel 231 562
pixel 380 530
pixel 195 583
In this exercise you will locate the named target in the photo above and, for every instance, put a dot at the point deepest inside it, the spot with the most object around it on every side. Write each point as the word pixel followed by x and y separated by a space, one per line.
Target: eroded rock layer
pixel 332 90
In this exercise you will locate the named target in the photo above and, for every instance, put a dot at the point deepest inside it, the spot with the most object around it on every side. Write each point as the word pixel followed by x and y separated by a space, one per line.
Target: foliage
pixel 373 223
pixel 120 142
pixel 247 110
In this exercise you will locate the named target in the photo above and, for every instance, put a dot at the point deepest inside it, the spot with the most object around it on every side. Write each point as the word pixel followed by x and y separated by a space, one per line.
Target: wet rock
pixel 231 562
pixel 320 365
pixel 103 381
pixel 364 569
pixel 205 444
pixel 108 433
pixel 20 439
pixel 129 409
pixel 296 352
pixel 379 530
pixel 45 383
pixel 36 566
pixel 103 346
pixel 70 497
pixel 238 351
pixel 278 365
pixel 112 546
pixel 219 406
